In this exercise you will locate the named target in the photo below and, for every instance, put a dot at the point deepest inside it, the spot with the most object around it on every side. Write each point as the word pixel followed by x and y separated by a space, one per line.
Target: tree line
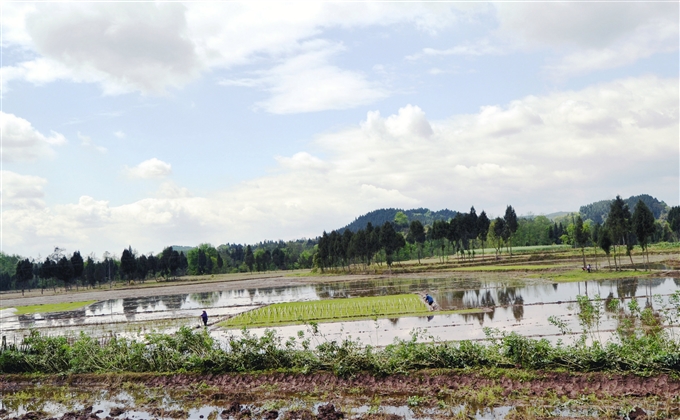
pixel 61 270
pixel 385 243
pixel 463 235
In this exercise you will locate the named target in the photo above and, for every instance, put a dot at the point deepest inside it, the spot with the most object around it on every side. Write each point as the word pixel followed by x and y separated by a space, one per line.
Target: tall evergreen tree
pixel 391 242
pixel 346 241
pixel 496 233
pixel 201 267
pixel 359 245
pixel 128 265
pixel 511 225
pixel 24 273
pixel 438 234
pixel 605 242
pixel 483 224
pixel 90 267
pixel 249 258
pixel 416 234
pixel 643 225
pixel 618 225
pixel 78 266
pixel 581 237
pixel 64 271
pixel 674 221
pixel 220 262
pixel 142 267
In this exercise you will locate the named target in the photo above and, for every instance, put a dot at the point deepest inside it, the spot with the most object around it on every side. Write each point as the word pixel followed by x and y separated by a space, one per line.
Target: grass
pixel 330 310
pixel 580 275
pixel 527 267
pixel 52 307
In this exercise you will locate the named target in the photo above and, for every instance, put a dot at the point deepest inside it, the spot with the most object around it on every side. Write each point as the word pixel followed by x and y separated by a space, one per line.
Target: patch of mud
pixel 570 385
pixel 560 384
pixel 324 396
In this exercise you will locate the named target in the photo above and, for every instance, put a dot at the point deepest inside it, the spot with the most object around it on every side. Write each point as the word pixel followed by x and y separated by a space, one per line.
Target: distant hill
pixel 597 211
pixel 379 217
pixel 184 249
pixel 553 216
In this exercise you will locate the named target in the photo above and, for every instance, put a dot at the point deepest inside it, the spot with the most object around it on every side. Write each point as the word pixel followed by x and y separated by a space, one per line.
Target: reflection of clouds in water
pixel 517 312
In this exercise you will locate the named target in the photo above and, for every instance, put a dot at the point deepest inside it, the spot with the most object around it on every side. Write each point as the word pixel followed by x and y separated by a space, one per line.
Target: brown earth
pixel 555 383
pixel 243 395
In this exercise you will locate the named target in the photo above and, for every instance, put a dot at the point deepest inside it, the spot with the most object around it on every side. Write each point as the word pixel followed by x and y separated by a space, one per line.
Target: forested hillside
pixel 598 210
pixel 379 217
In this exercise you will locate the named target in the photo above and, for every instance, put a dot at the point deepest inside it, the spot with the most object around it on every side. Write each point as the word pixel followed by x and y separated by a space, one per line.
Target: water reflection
pixel 524 309
pixel 509 304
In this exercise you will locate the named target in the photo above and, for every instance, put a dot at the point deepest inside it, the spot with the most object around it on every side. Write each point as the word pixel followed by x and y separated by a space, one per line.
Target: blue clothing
pixel 204 316
pixel 429 300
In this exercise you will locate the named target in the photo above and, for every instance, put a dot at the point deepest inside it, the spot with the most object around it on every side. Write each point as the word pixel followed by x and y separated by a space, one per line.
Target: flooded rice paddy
pixel 520 306
pixel 505 306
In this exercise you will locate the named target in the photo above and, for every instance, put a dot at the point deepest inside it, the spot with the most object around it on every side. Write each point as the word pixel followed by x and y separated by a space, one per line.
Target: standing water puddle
pixel 523 309
pixel 507 306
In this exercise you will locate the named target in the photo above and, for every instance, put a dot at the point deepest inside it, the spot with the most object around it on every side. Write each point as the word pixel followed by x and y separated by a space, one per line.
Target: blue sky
pixel 151 124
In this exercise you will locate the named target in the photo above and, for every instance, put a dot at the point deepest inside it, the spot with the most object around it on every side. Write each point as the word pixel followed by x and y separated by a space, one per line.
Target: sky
pixel 149 124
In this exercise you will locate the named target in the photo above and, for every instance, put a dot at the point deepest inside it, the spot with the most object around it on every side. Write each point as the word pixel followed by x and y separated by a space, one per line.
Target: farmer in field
pixel 429 300
pixel 204 317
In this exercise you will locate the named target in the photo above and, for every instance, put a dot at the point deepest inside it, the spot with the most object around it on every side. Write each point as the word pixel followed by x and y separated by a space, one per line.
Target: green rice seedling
pixel 331 310
pixel 52 307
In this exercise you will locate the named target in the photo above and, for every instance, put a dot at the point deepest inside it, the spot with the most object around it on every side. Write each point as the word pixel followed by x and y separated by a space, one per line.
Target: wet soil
pixel 328 397
pixel 538 383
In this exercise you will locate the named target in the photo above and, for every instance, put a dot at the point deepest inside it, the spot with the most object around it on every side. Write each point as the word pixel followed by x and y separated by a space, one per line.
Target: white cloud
pixel 132 47
pixel 302 160
pixel 86 141
pixel 150 47
pixel 659 37
pixel 590 36
pixel 308 83
pixel 22 191
pixel 151 168
pixel 582 37
pixel 23 143
pixel 585 24
pixel 565 147
pixel 119 134
pixel 482 47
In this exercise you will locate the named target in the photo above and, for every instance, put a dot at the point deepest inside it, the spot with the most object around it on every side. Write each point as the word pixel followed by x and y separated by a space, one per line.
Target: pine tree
pixel 511 225
pixel 643 226
pixel 581 237
pixel 250 258
pixel 483 224
pixel 618 225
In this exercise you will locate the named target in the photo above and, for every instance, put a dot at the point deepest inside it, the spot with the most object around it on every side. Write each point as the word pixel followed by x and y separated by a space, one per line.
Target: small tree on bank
pixel 581 237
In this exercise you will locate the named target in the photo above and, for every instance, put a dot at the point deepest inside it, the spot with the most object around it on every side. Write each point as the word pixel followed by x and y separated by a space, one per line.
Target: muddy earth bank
pixel 434 395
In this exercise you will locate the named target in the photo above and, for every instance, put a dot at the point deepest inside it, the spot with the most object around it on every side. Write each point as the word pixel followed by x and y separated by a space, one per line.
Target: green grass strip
pixel 601 274
pixel 331 310
pixel 52 307
pixel 527 267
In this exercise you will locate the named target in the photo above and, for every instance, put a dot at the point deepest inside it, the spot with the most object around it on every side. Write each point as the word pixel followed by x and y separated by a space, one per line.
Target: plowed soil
pixel 570 385
pixel 250 395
